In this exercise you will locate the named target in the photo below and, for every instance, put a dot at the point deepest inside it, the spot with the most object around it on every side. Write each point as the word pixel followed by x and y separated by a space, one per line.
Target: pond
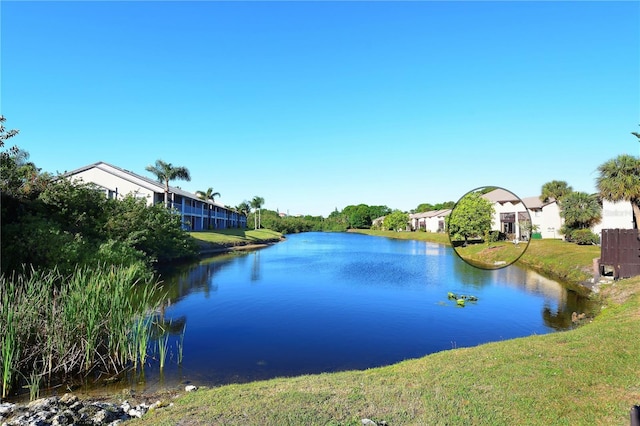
pixel 324 302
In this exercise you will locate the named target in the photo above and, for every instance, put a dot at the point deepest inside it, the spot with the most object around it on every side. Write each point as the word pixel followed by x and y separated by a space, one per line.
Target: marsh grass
pixel 57 326
pixel 163 346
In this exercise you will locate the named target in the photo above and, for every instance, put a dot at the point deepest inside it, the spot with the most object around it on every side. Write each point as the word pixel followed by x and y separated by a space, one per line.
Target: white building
pixel 618 215
pixel 545 217
pixel 511 215
pixel 196 214
pixel 431 221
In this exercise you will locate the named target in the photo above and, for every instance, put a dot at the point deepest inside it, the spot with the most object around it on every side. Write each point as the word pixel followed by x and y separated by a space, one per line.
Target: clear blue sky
pixel 318 105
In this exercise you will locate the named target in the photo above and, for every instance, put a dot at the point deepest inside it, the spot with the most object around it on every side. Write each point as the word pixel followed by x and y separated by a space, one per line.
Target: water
pixel 322 302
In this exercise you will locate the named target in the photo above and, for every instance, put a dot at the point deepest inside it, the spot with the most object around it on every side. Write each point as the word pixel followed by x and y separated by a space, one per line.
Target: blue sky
pixel 318 105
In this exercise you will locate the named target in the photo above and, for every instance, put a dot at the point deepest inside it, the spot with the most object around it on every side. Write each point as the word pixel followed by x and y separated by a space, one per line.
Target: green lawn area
pixel 585 376
pixel 222 238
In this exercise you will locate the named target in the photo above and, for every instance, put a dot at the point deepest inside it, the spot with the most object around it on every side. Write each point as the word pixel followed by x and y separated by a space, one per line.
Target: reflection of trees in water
pixel 195 277
pixel 560 317
pixel 255 266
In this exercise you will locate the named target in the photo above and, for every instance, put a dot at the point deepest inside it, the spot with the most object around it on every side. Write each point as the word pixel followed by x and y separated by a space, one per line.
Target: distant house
pixel 545 217
pixel 377 222
pixel 196 214
pixel 431 221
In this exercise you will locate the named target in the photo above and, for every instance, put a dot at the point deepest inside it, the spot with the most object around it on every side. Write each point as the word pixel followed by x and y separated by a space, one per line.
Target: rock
pixel 68 399
pixel 6 409
pixel 42 404
pixel 135 412
pixel 368 422
pixel 190 388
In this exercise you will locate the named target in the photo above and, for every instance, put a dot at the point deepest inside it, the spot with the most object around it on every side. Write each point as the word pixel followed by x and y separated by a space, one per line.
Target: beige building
pixel 196 214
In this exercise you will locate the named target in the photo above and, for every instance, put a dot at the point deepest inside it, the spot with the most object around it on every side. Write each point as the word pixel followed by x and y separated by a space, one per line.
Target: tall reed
pixel 58 325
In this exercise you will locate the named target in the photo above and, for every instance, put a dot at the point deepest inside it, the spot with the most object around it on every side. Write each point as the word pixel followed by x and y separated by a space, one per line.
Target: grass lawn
pixel 222 238
pixel 493 255
pixel 585 376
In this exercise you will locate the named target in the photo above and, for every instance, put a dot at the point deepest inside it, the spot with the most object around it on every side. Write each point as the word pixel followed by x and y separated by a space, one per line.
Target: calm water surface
pixel 322 302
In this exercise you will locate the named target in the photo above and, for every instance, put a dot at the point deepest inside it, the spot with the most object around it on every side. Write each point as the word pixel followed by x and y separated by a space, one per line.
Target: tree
pixel 580 210
pixel 256 204
pixel 4 133
pixel 207 195
pixel 166 172
pixel 471 217
pixel 619 180
pixel 244 208
pixel 396 221
pixel 556 190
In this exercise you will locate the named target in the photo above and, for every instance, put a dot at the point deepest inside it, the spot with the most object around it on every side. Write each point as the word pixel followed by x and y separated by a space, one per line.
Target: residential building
pixel 196 214
pixel 431 221
pixel 545 217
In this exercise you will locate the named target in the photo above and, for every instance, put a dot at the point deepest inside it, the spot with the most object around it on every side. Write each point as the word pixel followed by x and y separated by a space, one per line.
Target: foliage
pixel 556 190
pixel 295 224
pixel 361 216
pixel 426 207
pixel 582 236
pixel 580 210
pixel 56 325
pixel 619 180
pixel 396 221
pixel 470 218
pixel 153 230
pixel 209 194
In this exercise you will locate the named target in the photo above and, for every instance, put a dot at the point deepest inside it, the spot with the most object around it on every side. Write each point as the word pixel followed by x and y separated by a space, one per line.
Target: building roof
pixel 534 203
pixel 500 195
pixel 145 182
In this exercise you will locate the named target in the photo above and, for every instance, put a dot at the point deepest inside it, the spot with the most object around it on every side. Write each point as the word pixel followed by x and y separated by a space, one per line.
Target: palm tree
pixel 619 180
pixel 207 195
pixel 166 172
pixel 256 204
pixel 556 190
pixel 581 210
pixel 244 208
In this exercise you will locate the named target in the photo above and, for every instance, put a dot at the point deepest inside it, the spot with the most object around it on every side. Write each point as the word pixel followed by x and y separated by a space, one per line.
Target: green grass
pixel 492 255
pixel 585 376
pixel 226 238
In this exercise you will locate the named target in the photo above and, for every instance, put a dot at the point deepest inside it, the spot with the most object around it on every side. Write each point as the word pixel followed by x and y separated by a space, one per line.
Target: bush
pixel 582 237
pixel 495 236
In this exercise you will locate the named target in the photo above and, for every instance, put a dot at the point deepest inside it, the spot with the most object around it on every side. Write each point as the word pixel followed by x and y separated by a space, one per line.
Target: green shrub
pixel 582 237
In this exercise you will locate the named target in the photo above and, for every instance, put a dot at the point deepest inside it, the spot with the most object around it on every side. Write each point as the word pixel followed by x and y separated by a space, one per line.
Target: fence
pixel 620 249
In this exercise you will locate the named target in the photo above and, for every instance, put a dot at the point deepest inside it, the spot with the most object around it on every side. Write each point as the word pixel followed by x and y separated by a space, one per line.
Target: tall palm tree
pixel 166 172
pixel 207 195
pixel 619 180
pixel 556 189
pixel 256 204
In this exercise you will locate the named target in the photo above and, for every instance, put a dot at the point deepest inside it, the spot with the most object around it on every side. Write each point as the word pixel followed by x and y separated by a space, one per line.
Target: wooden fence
pixel 620 249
